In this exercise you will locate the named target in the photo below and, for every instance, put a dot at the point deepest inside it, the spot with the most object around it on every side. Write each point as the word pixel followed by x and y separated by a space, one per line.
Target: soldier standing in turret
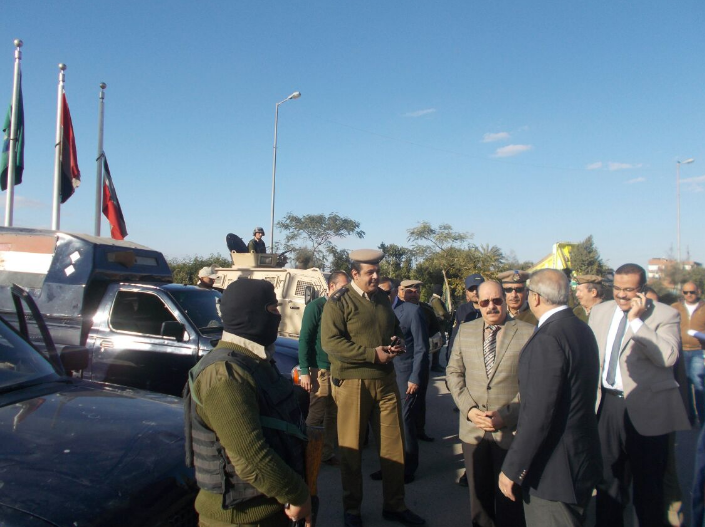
pixel 256 244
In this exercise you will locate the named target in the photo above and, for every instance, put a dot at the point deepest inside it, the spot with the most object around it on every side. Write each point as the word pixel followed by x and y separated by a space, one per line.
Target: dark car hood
pixel 81 453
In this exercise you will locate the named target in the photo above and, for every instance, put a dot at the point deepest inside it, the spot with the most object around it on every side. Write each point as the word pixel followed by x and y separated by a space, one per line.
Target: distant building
pixel 657 266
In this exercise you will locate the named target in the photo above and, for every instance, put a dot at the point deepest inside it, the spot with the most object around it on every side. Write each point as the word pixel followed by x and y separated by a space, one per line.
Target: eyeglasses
pixel 495 301
pixel 473 288
pixel 518 289
pixel 690 292
pixel 626 289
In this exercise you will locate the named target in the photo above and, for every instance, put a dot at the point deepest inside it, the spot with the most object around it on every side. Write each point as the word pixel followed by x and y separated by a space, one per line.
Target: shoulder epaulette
pixel 338 294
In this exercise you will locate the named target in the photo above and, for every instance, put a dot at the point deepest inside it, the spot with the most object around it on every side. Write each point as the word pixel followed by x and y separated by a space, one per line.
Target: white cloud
pixel 419 113
pixel 512 150
pixel 694 183
pixel 622 166
pixel 499 136
pixel 594 166
pixel 636 180
pixel 24 203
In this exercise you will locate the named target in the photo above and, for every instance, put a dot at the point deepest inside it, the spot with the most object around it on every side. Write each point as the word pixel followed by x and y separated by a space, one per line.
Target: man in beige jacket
pixel 482 378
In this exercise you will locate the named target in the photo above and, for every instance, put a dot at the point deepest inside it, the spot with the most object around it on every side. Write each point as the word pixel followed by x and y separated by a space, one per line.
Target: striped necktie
pixel 489 347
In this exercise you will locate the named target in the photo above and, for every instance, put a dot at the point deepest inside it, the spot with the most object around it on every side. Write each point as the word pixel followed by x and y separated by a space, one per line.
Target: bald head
pixel 691 293
pixel 551 285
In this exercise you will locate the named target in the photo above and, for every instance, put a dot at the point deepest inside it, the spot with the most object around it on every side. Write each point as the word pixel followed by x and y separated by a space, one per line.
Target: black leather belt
pixel 610 391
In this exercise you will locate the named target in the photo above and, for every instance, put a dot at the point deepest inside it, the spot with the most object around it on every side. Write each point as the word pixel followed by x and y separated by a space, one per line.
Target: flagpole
pixel 57 155
pixel 99 160
pixel 12 150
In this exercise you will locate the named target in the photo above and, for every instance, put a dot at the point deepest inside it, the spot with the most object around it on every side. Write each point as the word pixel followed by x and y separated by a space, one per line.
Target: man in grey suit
pixel 638 398
pixel 482 378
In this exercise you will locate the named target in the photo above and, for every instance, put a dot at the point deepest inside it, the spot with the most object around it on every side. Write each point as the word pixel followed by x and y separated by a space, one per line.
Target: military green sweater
pixel 228 398
pixel 352 327
pixel 311 354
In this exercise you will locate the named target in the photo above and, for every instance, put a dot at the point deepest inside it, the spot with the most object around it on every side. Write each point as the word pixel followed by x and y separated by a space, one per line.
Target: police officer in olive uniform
pixel 256 244
pixel 244 428
pixel 516 293
pixel 589 293
pixel 362 336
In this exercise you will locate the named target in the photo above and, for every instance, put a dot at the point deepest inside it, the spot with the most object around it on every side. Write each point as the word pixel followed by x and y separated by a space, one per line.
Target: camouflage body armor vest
pixel 280 416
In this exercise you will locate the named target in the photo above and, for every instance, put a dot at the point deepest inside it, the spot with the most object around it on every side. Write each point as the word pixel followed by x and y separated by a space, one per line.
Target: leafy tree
pixel 185 270
pixel 398 261
pixel 318 230
pixel 442 249
pixel 585 258
pixel 511 262
pixel 339 259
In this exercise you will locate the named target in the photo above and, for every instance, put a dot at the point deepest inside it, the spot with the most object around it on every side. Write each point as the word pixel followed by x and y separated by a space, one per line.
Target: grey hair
pixel 551 285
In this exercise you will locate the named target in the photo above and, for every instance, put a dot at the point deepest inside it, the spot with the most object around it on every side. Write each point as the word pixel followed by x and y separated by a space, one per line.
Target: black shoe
pixel 438 369
pixel 423 437
pixel 352 520
pixel 377 476
pixel 463 481
pixel 409 478
pixel 406 517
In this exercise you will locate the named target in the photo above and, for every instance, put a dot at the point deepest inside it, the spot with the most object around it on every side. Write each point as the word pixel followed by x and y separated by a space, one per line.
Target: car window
pixel 139 313
pixel 201 306
pixel 20 362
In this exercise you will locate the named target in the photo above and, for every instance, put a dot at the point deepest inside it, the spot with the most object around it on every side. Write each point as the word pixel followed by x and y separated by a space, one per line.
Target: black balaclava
pixel 244 311
pixel 437 289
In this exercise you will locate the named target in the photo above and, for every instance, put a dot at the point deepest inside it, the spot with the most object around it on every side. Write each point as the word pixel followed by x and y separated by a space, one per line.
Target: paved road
pixel 435 494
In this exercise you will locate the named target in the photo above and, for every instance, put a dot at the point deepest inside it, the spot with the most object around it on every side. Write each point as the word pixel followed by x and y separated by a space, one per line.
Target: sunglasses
pixel 473 288
pixel 385 291
pixel 495 301
pixel 515 289
pixel 690 292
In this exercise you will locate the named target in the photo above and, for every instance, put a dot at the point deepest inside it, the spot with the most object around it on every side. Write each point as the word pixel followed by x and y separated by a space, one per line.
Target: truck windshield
pixel 20 363
pixel 201 305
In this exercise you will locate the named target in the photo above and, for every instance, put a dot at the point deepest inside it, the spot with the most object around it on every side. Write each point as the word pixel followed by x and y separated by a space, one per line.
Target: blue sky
pixel 523 123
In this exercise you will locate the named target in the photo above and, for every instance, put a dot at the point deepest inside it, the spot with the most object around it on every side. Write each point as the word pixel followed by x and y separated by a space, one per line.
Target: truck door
pixel 130 350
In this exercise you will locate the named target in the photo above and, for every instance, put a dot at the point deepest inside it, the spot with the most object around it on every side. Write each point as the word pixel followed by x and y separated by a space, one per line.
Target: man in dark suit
pixel 638 396
pixel 555 455
pixel 410 369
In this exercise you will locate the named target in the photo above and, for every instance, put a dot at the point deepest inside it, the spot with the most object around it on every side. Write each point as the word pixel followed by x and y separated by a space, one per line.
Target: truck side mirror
pixel 310 293
pixel 74 358
pixel 173 329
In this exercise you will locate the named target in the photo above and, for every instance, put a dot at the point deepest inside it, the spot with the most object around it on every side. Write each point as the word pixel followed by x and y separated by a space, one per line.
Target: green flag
pixel 4 160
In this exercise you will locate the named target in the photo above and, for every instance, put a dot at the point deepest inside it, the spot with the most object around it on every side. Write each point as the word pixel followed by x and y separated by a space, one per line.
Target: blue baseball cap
pixel 473 280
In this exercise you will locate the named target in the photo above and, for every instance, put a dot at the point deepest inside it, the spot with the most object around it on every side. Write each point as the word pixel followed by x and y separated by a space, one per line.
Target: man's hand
pixel 481 419
pixel 305 382
pixel 638 307
pixel 299 512
pixel 505 485
pixel 384 355
pixel 496 419
pixel 411 388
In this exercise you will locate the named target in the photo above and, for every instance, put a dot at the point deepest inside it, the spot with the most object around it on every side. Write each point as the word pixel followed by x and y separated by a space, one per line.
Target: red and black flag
pixel 70 174
pixel 111 205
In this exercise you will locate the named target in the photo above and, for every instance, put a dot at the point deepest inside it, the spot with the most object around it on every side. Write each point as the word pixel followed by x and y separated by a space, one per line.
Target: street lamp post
pixel 294 95
pixel 678 202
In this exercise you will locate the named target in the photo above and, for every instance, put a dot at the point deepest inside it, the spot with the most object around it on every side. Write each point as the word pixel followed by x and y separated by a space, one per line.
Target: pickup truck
pixel 75 452
pixel 116 299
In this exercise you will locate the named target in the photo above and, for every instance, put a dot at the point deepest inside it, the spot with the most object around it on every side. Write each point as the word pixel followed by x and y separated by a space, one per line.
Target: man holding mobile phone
pixel 638 402
pixel 357 328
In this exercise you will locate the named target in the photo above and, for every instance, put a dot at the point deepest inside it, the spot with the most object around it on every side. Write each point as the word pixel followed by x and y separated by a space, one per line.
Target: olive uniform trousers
pixel 277 520
pixel 375 401
pixel 322 411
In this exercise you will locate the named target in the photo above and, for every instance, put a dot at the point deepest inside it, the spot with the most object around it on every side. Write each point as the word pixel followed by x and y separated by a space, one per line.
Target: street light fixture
pixel 294 95
pixel 678 201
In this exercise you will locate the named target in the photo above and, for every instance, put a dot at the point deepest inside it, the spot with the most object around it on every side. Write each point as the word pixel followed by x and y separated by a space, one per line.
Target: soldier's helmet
pixel 258 229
